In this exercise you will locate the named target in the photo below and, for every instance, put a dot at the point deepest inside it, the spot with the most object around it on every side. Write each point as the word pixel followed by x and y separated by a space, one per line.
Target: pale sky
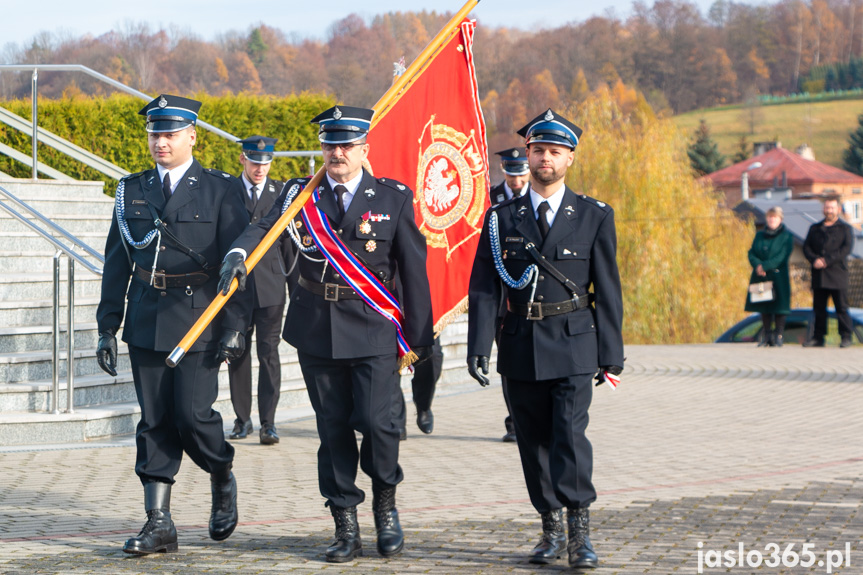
pixel 22 20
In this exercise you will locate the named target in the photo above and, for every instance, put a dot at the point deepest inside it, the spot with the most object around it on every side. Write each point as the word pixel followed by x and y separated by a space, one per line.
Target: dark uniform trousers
pixel 549 363
pixel 423 385
pixel 205 213
pixel 267 283
pixel 347 351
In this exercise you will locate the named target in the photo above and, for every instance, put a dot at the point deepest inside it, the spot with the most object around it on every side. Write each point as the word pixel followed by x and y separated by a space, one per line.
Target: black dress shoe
pixel 846 342
pixel 268 434
pixel 814 342
pixel 425 420
pixel 509 437
pixel 223 516
pixel 241 430
pixel 403 434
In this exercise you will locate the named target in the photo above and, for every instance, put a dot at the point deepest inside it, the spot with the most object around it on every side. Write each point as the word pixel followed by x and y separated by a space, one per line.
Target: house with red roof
pixel 783 174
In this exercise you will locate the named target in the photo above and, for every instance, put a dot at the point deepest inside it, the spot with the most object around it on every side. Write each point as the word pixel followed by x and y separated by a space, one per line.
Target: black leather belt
pixel 161 280
pixel 541 310
pixel 334 292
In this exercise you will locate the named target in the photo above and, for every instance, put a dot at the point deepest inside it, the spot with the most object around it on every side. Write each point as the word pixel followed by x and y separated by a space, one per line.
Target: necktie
pixel 543 219
pixel 166 186
pixel 341 192
pixel 254 192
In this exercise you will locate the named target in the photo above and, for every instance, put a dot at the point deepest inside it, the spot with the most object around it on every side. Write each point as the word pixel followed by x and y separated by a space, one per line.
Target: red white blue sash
pixel 361 280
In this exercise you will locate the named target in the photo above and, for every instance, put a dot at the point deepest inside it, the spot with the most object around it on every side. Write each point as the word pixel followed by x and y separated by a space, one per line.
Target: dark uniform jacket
pixel 394 247
pixel 834 244
pixel 582 245
pixel 497 194
pixel 268 276
pixel 206 213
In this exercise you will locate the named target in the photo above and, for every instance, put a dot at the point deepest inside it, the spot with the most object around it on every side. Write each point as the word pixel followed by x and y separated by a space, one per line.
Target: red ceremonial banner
pixel 432 138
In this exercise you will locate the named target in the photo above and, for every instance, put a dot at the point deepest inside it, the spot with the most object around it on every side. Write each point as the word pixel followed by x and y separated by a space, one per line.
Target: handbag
pixel 760 292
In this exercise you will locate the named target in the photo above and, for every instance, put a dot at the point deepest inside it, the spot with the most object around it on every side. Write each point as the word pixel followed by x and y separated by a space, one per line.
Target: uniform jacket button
pixel 542 278
pixel 161 248
pixel 164 293
pixel 336 276
pixel 540 298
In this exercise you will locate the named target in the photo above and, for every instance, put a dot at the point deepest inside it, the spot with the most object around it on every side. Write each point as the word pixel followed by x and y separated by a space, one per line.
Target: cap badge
pixel 515 153
pixel 337 114
pixel 163 102
pixel 371 245
pixel 549 116
pixel 261 145
pixel 365 227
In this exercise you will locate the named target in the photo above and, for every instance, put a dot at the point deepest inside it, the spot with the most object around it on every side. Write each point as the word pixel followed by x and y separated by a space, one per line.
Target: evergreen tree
pixel 704 156
pixel 742 152
pixel 852 157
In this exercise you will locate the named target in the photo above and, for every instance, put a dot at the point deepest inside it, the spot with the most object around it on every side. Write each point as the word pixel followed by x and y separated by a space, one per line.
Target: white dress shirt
pixel 553 203
pixel 176 173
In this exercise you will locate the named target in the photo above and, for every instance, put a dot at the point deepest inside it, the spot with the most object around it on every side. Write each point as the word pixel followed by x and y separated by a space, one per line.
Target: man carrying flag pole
pixel 356 239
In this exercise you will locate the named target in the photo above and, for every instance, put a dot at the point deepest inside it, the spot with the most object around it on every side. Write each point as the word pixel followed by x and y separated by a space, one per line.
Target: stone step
pixel 27 189
pixel 26 242
pixel 40 337
pixel 23 286
pixel 41 312
pixel 72 223
pixel 95 422
pixel 41 261
pixel 50 205
pixel 27 366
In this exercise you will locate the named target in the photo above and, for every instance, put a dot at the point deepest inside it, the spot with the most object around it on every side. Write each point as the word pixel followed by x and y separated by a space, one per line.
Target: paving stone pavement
pixel 718 445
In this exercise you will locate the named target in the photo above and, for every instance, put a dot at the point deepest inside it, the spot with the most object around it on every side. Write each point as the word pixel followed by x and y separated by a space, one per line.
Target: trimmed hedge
pixel 111 128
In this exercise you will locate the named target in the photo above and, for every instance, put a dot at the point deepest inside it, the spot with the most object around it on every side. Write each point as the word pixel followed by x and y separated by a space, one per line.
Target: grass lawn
pixel 823 125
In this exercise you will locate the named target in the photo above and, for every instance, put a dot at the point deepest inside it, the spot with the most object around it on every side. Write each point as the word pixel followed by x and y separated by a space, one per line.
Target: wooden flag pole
pixel 268 240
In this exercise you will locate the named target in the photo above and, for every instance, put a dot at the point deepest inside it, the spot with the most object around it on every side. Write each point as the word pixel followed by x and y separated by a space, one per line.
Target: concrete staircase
pixel 103 405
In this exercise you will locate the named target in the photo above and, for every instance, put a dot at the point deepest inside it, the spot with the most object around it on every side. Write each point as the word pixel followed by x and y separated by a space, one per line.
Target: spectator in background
pixel 768 256
pixel 827 246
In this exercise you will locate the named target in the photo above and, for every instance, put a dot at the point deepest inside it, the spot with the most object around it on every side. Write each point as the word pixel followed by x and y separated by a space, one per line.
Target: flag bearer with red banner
pixel 356 239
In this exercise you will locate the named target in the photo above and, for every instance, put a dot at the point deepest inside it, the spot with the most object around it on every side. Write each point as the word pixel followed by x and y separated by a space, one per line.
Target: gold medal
pixel 365 227
pixel 307 240
pixel 371 245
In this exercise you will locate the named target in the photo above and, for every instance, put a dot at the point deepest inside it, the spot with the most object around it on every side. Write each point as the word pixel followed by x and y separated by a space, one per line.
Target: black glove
pixel 424 353
pixel 231 346
pixel 474 364
pixel 608 369
pixel 106 353
pixel 233 266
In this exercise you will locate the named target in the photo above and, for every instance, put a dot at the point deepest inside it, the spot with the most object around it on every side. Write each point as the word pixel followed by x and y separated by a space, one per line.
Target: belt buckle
pixel 534 312
pixel 331 292
pixel 159 281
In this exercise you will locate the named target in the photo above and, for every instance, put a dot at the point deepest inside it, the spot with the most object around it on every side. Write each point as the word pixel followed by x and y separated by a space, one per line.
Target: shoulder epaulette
pixel 218 173
pixel 593 202
pixel 396 185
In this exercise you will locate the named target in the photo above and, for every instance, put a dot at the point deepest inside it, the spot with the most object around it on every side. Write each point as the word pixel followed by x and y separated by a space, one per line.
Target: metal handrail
pixel 74 256
pixel 123 88
pixel 60 246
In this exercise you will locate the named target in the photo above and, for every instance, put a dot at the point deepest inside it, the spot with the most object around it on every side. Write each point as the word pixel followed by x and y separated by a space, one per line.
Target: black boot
pixel 425 420
pixel 391 539
pixel 766 336
pixel 158 533
pixel 348 543
pixel 581 553
pixel 223 516
pixel 553 540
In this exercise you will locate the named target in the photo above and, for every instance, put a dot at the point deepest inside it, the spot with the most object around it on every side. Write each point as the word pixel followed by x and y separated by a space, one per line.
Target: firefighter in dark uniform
pixel 269 301
pixel 171 228
pixel 513 163
pixel 347 350
pixel 555 251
